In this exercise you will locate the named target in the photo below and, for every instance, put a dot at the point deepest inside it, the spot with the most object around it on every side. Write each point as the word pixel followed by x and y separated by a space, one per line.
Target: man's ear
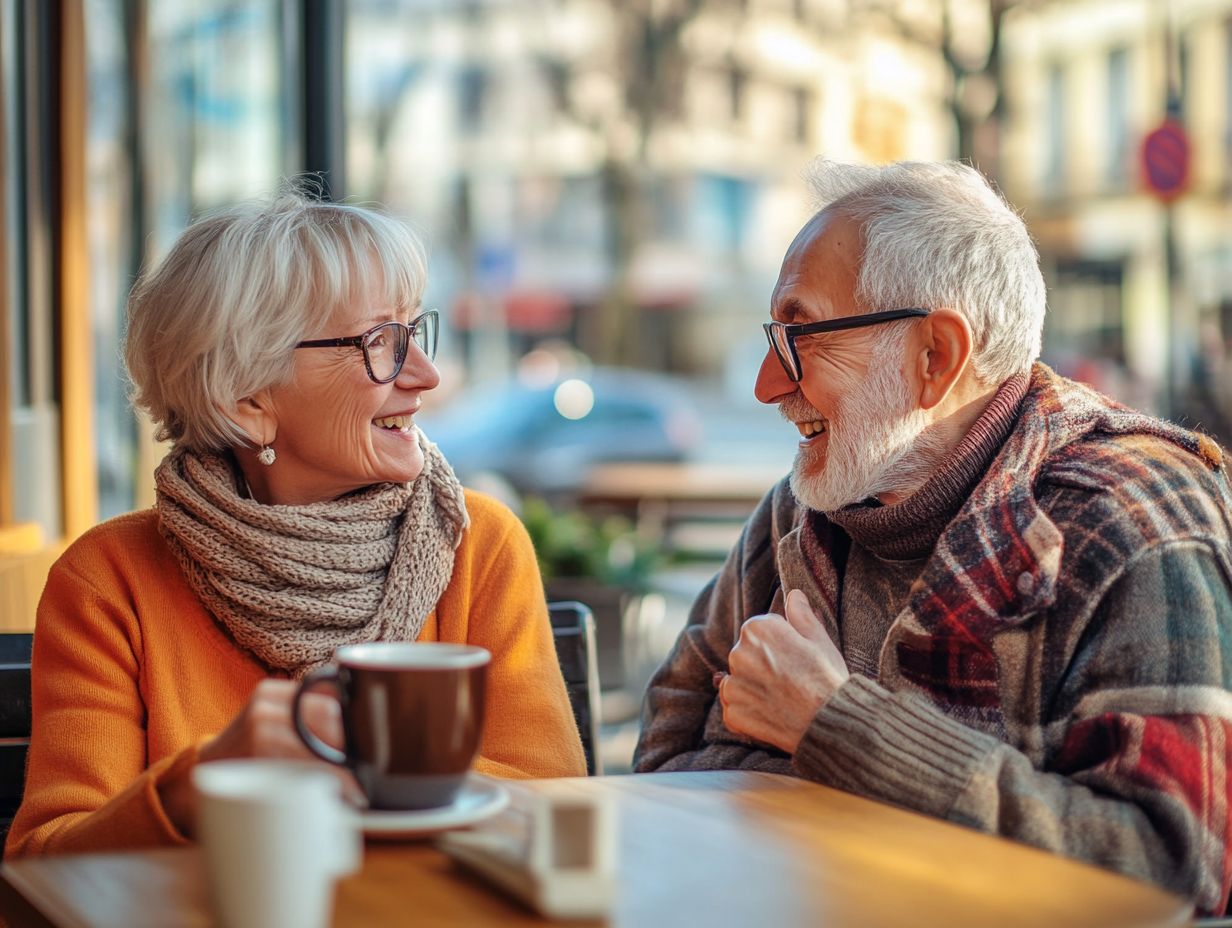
pixel 256 416
pixel 942 352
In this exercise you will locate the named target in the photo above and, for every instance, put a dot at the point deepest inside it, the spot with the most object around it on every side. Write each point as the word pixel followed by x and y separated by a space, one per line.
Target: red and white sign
pixel 1165 160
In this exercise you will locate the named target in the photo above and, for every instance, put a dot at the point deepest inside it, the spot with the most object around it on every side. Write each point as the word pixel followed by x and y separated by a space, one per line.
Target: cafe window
pixel 188 111
pixel 120 122
pixel 473 85
pixel 1085 327
pixel 1054 156
pixel 32 447
pixel 1116 170
pixel 737 88
pixel 802 107
pixel 114 243
pixel 1227 93
pixel 216 127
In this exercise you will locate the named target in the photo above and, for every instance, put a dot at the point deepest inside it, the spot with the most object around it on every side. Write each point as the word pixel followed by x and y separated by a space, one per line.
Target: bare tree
pixel 645 63
pixel 649 65
pixel 968 36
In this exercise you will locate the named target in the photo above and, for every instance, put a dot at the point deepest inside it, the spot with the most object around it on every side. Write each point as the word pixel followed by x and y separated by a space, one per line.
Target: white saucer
pixel 478 799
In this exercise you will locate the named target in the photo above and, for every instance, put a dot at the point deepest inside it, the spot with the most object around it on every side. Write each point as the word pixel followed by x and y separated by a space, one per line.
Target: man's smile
pixel 812 428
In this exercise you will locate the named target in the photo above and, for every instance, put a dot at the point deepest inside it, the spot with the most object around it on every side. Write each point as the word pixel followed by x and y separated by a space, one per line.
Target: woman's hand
pixel 263 728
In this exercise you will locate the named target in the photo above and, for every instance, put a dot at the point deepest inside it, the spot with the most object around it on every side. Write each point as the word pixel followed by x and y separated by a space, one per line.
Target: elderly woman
pixel 282 348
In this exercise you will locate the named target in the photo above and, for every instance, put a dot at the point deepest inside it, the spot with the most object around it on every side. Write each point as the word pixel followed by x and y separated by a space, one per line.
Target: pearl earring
pixel 266 455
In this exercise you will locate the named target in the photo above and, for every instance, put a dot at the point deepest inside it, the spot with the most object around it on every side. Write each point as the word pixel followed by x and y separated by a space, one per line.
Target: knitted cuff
pixel 892 747
pixel 169 769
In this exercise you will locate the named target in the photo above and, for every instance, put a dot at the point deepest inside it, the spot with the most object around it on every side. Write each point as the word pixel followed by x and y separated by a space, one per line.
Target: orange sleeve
pixel 529 730
pixel 87 784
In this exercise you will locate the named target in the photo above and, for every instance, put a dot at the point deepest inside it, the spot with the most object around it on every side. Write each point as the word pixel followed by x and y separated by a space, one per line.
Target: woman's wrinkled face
pixel 337 431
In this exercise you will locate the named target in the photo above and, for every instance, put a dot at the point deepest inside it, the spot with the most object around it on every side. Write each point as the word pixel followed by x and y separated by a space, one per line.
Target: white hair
pixel 937 235
pixel 219 317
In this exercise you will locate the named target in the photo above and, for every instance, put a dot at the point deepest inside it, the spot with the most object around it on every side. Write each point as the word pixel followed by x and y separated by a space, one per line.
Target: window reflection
pixel 214 132
pixel 113 261
pixel 186 112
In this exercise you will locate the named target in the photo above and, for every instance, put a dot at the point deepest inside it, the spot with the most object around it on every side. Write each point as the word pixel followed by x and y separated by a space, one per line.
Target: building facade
pixel 568 157
pixel 1140 287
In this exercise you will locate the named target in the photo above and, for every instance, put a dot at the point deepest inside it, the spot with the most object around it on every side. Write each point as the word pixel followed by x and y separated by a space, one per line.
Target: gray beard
pixel 878 443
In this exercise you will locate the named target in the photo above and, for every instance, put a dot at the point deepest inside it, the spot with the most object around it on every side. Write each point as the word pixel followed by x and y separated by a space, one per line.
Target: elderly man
pixel 986 593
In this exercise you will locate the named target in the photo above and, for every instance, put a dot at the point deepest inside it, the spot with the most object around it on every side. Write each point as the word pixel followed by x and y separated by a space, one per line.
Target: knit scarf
pixel 292 583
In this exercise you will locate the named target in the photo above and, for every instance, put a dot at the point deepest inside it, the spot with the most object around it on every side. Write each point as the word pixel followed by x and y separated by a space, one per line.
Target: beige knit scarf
pixel 292 583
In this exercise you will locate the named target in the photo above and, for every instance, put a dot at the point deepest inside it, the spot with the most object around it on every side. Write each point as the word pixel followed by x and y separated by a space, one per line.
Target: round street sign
pixel 1165 160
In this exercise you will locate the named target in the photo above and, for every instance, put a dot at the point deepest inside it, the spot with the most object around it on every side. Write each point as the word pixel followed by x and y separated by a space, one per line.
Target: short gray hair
pixel 936 234
pixel 219 317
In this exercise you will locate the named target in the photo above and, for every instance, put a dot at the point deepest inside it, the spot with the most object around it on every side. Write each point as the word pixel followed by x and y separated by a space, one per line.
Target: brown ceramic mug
pixel 412 718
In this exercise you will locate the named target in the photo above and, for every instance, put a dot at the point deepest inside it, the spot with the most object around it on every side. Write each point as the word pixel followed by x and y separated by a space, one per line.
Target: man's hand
pixel 782 671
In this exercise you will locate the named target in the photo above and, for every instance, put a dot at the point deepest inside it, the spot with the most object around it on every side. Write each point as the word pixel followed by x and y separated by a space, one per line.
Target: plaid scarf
pixel 1058 675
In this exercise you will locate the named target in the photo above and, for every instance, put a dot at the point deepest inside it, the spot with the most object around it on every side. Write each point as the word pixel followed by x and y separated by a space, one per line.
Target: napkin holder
pixel 563 862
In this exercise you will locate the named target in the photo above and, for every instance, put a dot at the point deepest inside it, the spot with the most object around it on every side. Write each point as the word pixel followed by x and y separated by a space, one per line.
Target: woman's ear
pixel 256 416
pixel 943 351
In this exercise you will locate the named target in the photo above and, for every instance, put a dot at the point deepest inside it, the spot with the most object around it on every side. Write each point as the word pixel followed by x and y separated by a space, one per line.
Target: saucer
pixel 479 798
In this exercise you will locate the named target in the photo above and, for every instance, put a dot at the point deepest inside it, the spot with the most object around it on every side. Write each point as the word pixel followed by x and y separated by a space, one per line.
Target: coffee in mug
pixel 412 718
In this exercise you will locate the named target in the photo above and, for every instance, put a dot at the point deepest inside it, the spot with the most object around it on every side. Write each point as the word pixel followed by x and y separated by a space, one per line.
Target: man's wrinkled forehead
pixel 839 230
pixel 820 270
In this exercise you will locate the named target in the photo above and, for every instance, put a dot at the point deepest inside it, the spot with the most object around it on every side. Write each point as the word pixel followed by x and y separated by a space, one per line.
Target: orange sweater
pixel 131 674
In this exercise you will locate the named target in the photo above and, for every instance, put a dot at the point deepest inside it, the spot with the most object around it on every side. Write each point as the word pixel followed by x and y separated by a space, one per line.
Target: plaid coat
pixel 1059 675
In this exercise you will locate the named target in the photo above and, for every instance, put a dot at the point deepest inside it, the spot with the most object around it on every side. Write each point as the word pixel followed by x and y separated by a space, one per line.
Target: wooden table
pixel 712 849
pixel 687 485
pixel 692 508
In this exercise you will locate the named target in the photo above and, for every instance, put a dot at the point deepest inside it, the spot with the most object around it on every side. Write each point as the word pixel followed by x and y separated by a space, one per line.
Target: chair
pixel 573 629
pixel 14 722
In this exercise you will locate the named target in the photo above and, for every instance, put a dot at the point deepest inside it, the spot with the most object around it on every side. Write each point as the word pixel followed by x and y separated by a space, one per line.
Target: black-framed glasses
pixel 385 345
pixel 782 337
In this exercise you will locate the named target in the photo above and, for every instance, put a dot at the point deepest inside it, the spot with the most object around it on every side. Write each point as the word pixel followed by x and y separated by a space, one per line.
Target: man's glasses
pixel 385 345
pixel 782 337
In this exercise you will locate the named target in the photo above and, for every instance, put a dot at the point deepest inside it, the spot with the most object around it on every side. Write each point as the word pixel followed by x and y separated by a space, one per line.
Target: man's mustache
pixel 796 408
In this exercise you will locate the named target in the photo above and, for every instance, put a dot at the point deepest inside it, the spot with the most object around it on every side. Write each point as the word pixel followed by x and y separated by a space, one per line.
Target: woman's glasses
pixel 385 345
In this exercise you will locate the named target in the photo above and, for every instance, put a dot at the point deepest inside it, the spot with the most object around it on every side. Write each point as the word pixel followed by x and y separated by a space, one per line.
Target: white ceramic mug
pixel 276 836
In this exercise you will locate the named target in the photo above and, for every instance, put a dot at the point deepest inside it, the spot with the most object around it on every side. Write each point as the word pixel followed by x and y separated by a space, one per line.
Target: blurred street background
pixel 606 188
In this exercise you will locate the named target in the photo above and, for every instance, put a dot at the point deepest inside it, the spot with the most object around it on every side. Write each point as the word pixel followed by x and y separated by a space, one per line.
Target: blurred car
pixel 545 439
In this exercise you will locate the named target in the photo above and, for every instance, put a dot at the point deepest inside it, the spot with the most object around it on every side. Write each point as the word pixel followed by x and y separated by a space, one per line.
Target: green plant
pixel 571 543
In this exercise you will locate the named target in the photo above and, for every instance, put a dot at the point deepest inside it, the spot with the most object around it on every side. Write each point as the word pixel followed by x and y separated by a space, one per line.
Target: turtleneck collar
pixel 909 530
